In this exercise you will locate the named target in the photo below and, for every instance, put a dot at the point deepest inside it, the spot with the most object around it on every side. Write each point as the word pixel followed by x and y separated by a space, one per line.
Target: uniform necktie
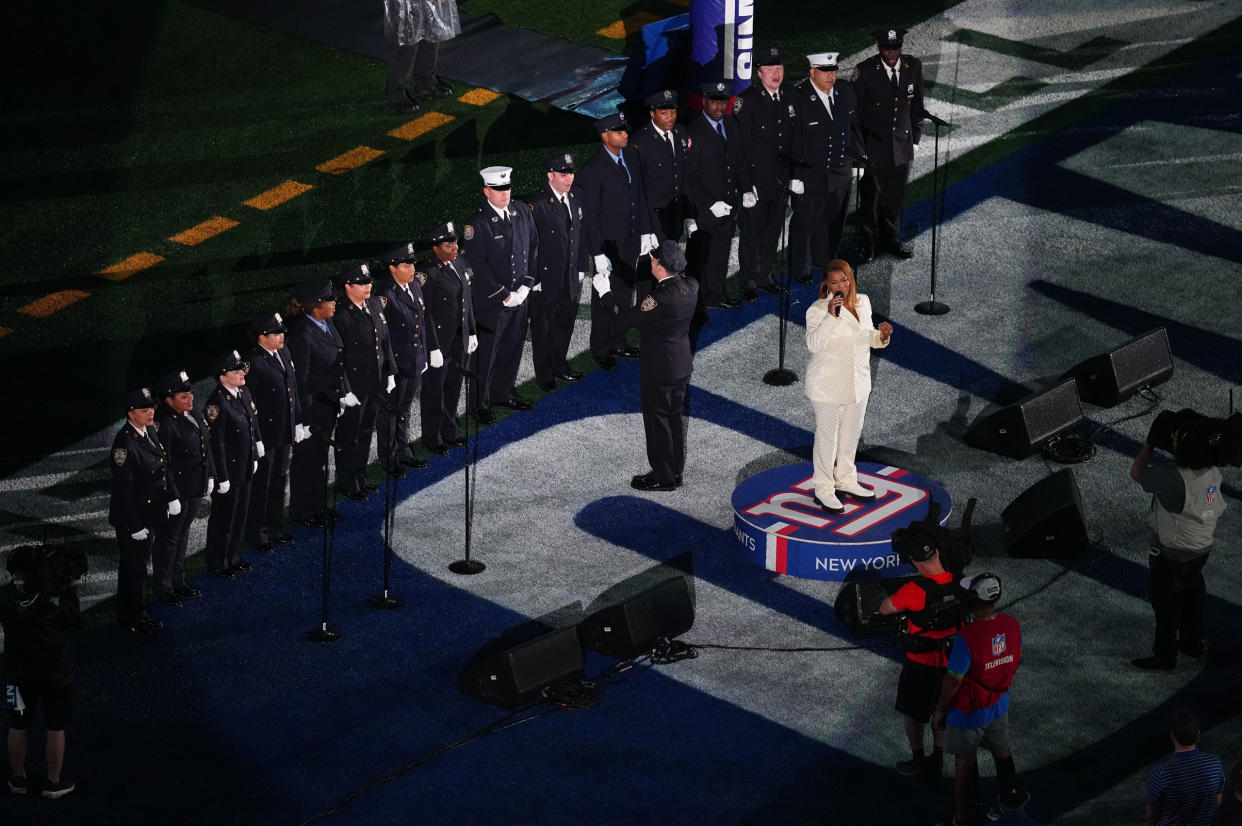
pixel 668 138
pixel 830 117
pixel 279 362
pixel 624 168
pixel 568 210
pixel 193 421
pixel 892 76
pixel 720 130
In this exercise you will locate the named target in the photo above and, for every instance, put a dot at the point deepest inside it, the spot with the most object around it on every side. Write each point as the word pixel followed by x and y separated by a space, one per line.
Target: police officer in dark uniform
pixel 712 168
pixel 766 120
pixel 662 146
pixel 890 106
pixel 273 383
pixel 238 446
pixel 560 218
pixel 825 142
pixel 371 370
pixel 144 495
pixel 663 316
pixel 186 440
pixel 318 357
pixel 619 231
pixel 415 349
pixel 446 278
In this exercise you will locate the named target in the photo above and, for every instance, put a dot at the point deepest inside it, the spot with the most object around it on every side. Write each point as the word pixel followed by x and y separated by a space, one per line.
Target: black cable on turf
pixel 885 643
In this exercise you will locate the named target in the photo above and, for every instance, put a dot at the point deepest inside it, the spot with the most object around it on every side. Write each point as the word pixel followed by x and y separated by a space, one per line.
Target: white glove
pixel 648 243
pixel 350 400
pixel 720 209
pixel 749 199
pixel 581 276
pixel 538 288
pixel 523 293
pixel 174 507
pixel 601 284
pixel 141 535
pixel 224 487
pixel 797 187
pixel 857 172
pixel 392 383
pixel 473 345
pixel 259 449
pixel 691 226
pixel 602 264
pixel 914 149
pixel 300 433
pixel 437 358
pixel 255 467
pixel 512 299
pixel 211 484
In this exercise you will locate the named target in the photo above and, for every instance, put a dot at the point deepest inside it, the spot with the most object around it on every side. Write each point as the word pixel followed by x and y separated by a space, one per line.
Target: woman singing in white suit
pixel 840 336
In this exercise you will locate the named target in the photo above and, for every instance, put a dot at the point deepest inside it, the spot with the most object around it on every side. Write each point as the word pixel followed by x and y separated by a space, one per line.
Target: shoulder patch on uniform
pixel 737 105
pixel 468 232
pixel 211 412
pixel 857 73
pixel 156 425
pixel 689 142
pixel 649 304
pixel 119 456
pixel 384 301
pixel 421 276
pixel 531 206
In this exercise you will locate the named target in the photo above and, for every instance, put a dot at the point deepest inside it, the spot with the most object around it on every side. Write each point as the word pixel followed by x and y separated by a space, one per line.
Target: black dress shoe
pixel 485 415
pixel 730 304
pixel 1153 663
pixel 677 480
pixel 314 521
pixel 441 450
pixel 188 592
pixel 569 375
pixel 546 386
pixel 606 362
pixel 407 104
pixel 369 488
pixel 415 463
pixel 750 295
pixel 516 403
pixel 173 600
pixel 773 288
pixel 440 90
pixel 803 279
pixel 243 567
pixel 227 573
pixel 356 495
pixel 332 514
pixel 864 255
pixel 620 353
pixel 396 473
pixel 264 548
pixel 458 442
pixel 648 481
pixel 899 250
pixel 284 538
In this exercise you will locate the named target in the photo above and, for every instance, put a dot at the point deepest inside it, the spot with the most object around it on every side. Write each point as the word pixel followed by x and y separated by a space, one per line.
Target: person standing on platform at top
pixel 766 119
pixel 503 246
pixel 560 219
pixel 826 140
pixel 619 232
pixel 712 168
pixel 840 336
pixel 662 146
pixel 890 106
pixel 414 30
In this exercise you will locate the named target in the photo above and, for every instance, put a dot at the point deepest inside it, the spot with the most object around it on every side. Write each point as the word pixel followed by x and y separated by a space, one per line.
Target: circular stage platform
pixel 780 527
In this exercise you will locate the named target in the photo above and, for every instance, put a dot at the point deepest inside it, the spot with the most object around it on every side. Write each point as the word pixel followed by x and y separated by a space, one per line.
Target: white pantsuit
pixel 838 382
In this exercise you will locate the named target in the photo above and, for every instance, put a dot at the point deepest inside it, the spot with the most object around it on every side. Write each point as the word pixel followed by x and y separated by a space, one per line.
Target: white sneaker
pixel 857 491
pixel 830 503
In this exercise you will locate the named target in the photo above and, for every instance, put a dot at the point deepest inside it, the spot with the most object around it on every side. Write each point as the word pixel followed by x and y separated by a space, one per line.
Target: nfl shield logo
pixel 998 645
pixel 1209 495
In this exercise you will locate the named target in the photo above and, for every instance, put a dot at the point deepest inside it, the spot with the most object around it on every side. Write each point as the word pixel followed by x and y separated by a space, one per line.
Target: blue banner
pixel 723 34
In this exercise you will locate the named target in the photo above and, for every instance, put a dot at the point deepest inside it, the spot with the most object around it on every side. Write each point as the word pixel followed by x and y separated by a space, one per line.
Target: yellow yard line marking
pixel 479 97
pixel 276 196
pixel 135 263
pixel 208 229
pixel 420 126
pixel 626 27
pixel 55 302
pixel 352 159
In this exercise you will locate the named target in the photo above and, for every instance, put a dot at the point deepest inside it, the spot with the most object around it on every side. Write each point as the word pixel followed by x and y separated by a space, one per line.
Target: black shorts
pixel 918 689
pixel 57 701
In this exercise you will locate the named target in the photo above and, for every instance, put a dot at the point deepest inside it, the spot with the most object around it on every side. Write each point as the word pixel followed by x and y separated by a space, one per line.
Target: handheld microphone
pixel 839 294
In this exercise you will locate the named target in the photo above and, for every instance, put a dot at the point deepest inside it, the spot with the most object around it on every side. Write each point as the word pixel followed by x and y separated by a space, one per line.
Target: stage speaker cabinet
pixel 858 603
pixel 1111 378
pixel 1047 519
pixel 633 627
pixel 1022 429
pixel 517 675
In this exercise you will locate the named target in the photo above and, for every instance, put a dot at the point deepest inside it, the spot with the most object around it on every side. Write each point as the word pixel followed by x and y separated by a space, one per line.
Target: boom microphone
pixel 938 121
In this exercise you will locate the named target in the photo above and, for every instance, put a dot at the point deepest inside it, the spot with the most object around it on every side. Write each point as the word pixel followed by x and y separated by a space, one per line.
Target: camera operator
pixel 39 610
pixel 932 605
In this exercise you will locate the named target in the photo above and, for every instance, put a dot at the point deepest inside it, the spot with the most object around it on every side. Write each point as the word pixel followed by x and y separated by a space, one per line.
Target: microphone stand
pixel 323 633
pixel 385 600
pixel 782 376
pixel 932 306
pixel 466 565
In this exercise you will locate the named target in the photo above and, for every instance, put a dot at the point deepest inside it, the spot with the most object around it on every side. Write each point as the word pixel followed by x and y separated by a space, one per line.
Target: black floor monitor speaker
pixel 633 627
pixel 1047 519
pixel 859 601
pixel 517 675
pixel 1110 378
pixel 1023 428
